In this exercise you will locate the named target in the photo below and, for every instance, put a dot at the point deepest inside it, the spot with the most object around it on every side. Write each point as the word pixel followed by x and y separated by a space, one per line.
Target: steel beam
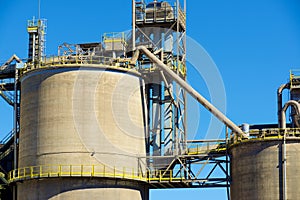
pixel 193 92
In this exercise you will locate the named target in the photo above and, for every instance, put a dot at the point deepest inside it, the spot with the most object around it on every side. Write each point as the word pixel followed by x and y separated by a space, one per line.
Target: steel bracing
pixel 156 49
pixel 161 28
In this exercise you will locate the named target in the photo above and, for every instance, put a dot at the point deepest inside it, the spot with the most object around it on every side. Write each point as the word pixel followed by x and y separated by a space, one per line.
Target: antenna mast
pixel 39 9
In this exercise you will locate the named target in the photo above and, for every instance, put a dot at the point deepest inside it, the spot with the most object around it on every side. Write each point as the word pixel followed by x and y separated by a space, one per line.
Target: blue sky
pixel 253 43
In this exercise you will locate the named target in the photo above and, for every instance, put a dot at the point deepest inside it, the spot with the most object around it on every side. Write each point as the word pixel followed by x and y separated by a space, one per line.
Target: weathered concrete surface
pixel 257 170
pixel 81 116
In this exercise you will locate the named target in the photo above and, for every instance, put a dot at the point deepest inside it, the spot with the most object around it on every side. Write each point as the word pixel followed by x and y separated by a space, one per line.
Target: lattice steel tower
pixel 161 27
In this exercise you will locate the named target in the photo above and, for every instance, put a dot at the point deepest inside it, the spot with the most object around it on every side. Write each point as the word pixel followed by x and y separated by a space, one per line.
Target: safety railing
pixel 274 132
pixel 114 37
pixel 181 68
pixel 151 68
pixel 101 171
pixel 159 12
pixel 294 77
pixel 36 22
pixel 77 59
pixel 164 176
pixel 155 13
pixel 47 171
pixel 115 41
pixel 36 25
pixel 206 148
pixel 57 61
pixel 122 63
pixel 269 134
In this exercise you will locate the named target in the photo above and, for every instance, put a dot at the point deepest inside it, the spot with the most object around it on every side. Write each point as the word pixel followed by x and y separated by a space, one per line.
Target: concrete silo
pixel 261 170
pixel 266 165
pixel 82 134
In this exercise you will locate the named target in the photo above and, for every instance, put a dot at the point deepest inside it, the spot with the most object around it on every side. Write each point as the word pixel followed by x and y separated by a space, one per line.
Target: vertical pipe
pixel 176 127
pixel 177 86
pixel 283 110
pixel 279 102
pixel 185 121
pixel 185 96
pixel 284 190
pixel 133 24
pixel 15 165
pixel 227 162
pixel 177 32
pixel 15 117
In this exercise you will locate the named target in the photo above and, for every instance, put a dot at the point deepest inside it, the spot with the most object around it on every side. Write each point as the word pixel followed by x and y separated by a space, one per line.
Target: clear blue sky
pixel 254 44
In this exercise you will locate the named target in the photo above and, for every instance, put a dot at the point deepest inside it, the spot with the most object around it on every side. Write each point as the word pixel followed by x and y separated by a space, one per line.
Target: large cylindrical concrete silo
pixel 265 169
pixel 82 134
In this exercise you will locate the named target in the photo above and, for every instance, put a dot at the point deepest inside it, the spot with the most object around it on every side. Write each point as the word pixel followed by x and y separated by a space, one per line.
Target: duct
pixel 283 115
pixel 193 93
pixel 134 57
pixel 279 102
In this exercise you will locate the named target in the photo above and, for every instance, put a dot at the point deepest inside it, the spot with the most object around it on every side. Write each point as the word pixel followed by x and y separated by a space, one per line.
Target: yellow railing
pixel 274 132
pixel 206 149
pixel 269 134
pixel 294 74
pixel 56 61
pixel 52 171
pixel 163 176
pixel 114 37
pixel 77 59
pixel 181 69
pixel 45 171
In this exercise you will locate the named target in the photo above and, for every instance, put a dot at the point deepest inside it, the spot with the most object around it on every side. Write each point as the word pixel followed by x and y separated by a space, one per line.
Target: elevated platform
pixel 202 166
pixel 177 175
pixel 184 171
pixel 159 14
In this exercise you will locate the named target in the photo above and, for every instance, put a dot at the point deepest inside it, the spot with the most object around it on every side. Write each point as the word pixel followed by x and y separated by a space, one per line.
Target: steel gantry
pixel 159 40
pixel 160 27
